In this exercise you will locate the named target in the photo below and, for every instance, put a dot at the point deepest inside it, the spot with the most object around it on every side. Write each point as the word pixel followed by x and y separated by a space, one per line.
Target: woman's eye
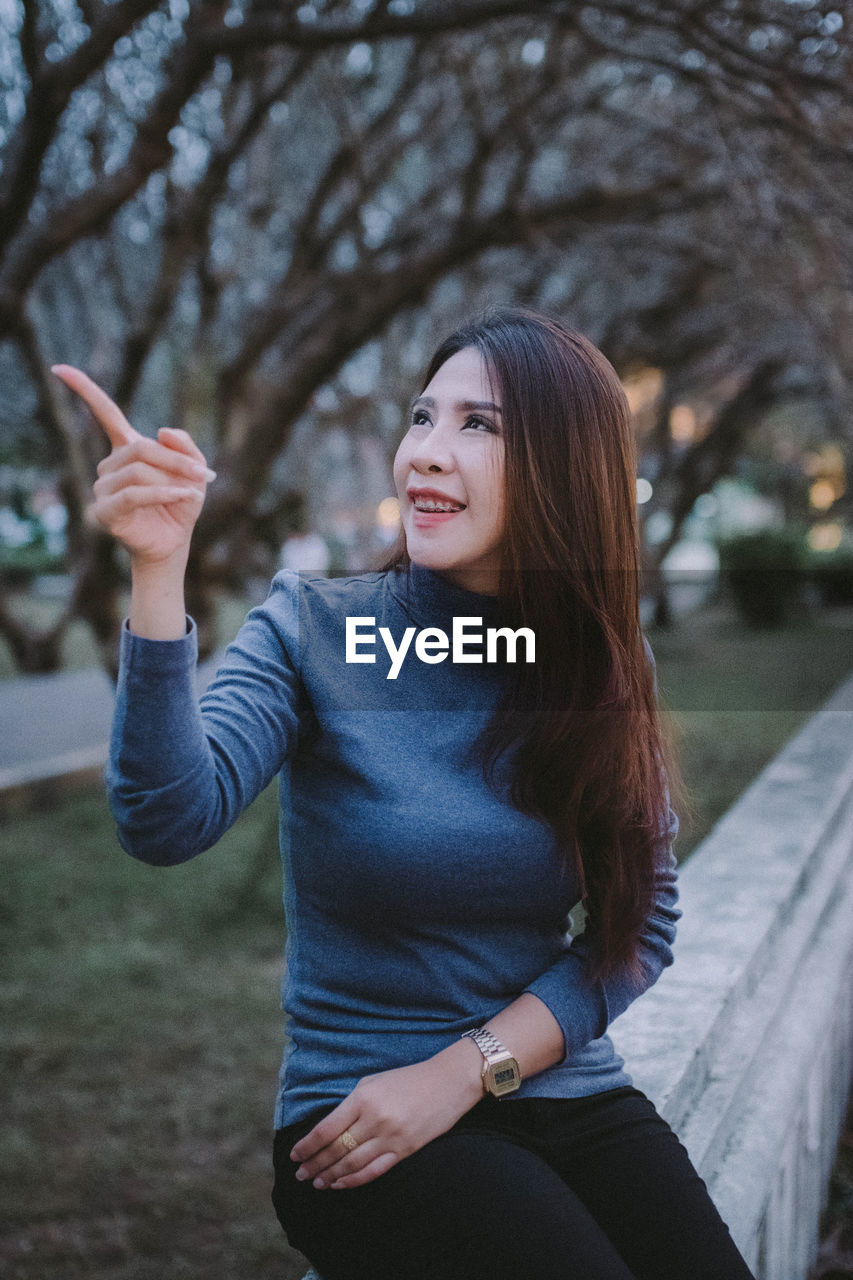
pixel 420 417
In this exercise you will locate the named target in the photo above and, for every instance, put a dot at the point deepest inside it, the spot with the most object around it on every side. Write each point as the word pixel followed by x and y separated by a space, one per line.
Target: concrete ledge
pixel 757 1012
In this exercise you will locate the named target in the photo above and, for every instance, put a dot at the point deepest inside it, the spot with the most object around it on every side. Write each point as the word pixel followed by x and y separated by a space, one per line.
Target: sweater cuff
pixel 580 1006
pixel 160 657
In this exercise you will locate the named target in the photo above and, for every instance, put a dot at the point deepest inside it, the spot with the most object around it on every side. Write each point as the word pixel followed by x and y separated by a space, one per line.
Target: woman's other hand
pixel 149 493
pixel 391 1114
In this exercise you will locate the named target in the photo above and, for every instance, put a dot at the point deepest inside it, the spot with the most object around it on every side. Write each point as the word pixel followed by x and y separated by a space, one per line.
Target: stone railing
pixel 745 1044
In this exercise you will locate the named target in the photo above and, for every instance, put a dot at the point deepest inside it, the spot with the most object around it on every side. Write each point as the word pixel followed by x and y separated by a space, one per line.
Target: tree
pixel 214 208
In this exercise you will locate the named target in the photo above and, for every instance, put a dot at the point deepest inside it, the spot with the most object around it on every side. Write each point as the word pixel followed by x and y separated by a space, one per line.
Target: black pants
pixel 595 1188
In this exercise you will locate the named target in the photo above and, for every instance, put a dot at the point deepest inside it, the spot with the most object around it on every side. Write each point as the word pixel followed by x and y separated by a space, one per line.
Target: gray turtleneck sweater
pixel 418 901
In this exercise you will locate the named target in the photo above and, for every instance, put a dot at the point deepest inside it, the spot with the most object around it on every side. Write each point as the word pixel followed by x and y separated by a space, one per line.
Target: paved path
pixel 60 723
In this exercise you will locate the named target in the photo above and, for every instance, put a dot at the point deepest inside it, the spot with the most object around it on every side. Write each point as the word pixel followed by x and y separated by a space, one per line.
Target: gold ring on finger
pixel 348 1140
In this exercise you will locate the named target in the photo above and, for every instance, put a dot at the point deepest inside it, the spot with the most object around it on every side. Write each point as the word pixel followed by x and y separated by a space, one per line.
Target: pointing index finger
pixel 105 410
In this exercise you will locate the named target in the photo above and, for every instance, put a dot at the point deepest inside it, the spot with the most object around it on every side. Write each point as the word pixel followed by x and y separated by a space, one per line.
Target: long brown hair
pixel 592 756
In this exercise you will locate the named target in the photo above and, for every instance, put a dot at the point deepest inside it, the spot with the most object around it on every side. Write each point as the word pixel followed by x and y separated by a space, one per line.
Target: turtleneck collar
pixel 432 599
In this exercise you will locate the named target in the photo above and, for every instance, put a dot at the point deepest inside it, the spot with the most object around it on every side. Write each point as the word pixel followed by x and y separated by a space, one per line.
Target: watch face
pixel 506 1077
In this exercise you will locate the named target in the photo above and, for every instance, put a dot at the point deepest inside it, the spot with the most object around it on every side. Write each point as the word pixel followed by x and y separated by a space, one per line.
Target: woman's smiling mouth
pixel 432 506
pixel 425 499
pixel 424 519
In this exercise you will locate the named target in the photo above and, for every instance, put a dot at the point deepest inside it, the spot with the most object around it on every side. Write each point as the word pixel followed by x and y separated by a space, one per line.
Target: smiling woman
pixel 450 1103
pixel 457 526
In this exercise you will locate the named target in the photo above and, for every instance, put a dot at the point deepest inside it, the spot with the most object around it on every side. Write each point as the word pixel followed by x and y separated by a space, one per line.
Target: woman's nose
pixel 433 450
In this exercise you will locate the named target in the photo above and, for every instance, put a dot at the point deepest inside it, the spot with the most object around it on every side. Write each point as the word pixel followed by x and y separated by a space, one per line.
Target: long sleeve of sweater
pixel 181 769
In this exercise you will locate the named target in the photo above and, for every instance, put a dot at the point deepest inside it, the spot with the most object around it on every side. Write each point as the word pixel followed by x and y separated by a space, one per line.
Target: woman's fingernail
pixel 319 1183
pixel 208 474
pixel 301 1175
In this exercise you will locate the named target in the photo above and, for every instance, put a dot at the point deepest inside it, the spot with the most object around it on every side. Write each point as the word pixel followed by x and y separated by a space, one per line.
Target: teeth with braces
pixel 426 504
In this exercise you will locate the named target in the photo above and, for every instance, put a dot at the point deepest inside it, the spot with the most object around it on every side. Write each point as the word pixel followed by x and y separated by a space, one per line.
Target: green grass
pixel 737 696
pixel 142 1045
pixel 143 1033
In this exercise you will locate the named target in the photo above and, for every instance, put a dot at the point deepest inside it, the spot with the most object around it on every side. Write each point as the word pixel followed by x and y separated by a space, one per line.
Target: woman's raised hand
pixel 149 493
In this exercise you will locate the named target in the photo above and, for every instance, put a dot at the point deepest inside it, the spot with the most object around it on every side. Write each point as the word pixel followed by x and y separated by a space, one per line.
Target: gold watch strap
pixel 485 1041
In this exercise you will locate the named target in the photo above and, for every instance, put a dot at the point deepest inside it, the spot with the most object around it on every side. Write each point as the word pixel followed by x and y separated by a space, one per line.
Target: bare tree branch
pixel 356 311
pixel 439 140
pixel 51 86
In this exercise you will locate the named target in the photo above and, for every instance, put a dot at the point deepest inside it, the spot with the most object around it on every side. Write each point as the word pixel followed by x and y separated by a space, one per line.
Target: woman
pixel 445 803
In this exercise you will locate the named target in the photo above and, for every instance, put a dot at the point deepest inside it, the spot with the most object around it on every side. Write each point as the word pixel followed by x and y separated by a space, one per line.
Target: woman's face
pixel 455 447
